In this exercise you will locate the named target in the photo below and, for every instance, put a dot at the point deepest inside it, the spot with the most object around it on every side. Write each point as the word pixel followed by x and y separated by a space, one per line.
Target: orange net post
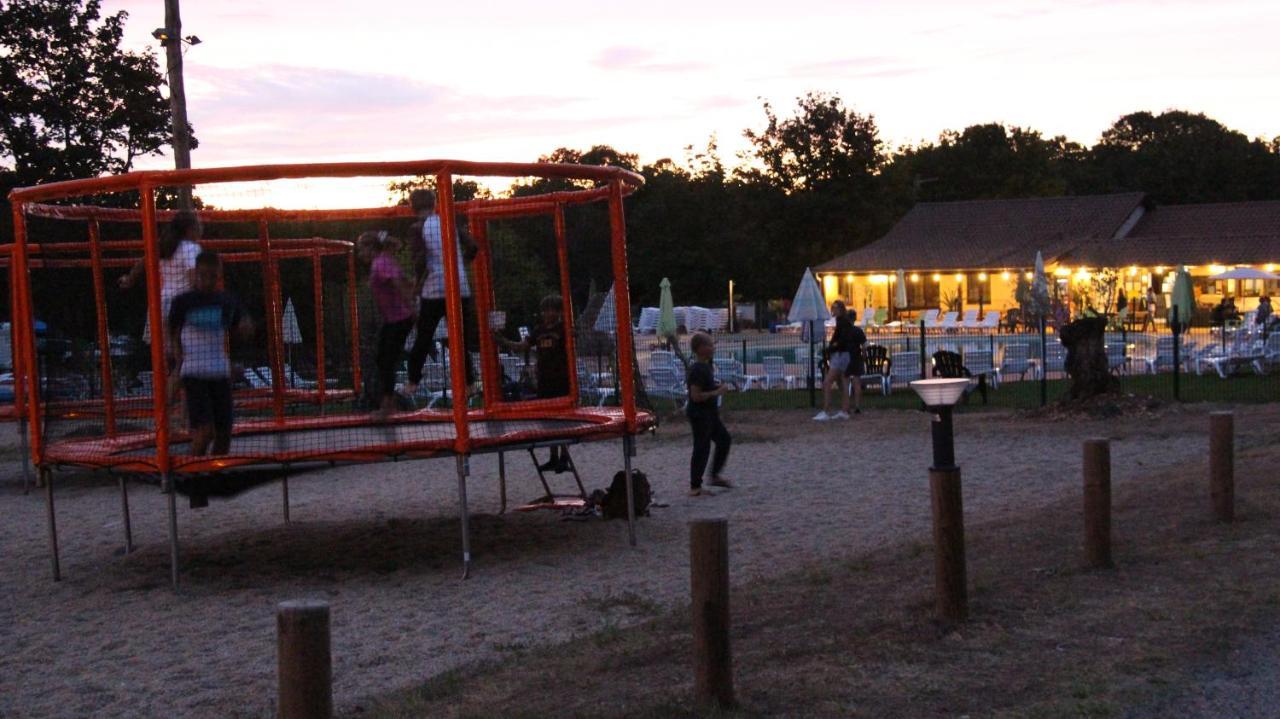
pixel 453 302
pixel 566 297
pixel 159 362
pixel 104 342
pixel 626 350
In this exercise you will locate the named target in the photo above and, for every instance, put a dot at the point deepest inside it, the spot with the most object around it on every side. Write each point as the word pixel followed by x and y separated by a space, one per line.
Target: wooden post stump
pixel 948 546
pixel 1222 483
pixel 305 666
pixel 1097 503
pixel 709 580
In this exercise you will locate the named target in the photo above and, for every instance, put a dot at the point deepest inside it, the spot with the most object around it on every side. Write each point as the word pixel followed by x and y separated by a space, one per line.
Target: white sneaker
pixel 821 417
pixel 840 415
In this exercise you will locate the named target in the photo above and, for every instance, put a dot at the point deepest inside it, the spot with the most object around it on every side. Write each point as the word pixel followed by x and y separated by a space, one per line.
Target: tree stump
pixel 1086 343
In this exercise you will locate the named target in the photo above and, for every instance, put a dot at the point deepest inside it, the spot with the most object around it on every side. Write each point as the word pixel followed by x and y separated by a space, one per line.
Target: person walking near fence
pixel 845 341
pixel 703 412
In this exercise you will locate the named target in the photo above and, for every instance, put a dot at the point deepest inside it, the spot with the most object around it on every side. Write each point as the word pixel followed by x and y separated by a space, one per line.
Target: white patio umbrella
pixel 900 292
pixel 291 334
pixel 810 308
pixel 607 319
pixel 1245 273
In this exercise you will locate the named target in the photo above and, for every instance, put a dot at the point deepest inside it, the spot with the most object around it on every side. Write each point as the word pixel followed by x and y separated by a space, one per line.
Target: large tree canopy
pixel 75 104
pixel 1179 156
pixel 817 182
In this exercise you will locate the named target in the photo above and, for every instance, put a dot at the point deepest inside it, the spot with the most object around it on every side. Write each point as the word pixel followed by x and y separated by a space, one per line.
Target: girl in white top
pixel 179 248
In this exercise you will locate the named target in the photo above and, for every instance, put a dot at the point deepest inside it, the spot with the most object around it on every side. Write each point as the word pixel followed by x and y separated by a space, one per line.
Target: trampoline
pixel 296 277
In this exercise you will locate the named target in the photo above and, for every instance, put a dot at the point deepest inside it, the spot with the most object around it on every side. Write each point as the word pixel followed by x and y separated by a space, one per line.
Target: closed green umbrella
pixel 1183 298
pixel 666 312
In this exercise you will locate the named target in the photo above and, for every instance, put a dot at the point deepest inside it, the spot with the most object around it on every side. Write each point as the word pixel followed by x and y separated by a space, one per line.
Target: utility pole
pixel 172 42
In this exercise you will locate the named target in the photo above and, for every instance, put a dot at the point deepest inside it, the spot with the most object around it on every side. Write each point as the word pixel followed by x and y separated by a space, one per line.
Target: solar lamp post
pixel 940 396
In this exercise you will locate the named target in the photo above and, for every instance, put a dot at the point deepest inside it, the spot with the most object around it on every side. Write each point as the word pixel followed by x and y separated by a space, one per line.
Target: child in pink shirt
pixel 393 295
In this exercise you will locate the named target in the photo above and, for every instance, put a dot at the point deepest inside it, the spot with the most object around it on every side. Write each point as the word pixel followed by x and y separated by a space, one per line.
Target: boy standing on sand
pixel 703 412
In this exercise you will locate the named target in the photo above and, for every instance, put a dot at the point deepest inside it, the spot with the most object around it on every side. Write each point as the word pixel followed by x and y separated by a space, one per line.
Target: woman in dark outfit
pixel 704 416
pixel 843 352
pixel 547 341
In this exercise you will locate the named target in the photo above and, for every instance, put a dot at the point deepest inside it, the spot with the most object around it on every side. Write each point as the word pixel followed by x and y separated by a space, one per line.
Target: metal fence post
pixel 1177 356
pixel 1044 364
pixel 924 352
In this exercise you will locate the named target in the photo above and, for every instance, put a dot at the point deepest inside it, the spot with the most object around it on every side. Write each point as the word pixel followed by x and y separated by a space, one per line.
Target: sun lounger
pixel 775 372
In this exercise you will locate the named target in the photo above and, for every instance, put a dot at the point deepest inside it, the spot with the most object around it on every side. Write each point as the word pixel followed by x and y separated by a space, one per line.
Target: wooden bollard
pixel 950 575
pixel 1222 482
pixel 709 580
pixel 1097 502
pixel 305 667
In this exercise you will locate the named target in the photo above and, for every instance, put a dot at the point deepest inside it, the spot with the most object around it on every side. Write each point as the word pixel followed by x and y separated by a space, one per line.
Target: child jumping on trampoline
pixel 703 412
pixel 393 294
pixel 552 365
pixel 428 260
pixel 198 324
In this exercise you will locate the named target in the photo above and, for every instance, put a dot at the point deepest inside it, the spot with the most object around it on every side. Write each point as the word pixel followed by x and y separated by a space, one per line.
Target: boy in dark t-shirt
pixel 547 342
pixel 704 416
pixel 198 324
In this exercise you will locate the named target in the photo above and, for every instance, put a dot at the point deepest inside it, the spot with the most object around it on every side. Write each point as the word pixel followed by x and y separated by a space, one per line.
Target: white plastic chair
pixel 589 387
pixel 775 372
pixel 729 369
pixel 903 368
pixel 930 318
pixel 665 383
pixel 1117 358
pixel 949 321
pixel 970 320
pixel 1016 359
pixel 981 362
pixel 990 321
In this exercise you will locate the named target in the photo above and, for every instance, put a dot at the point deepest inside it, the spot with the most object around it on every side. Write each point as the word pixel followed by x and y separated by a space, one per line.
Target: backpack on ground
pixel 614 504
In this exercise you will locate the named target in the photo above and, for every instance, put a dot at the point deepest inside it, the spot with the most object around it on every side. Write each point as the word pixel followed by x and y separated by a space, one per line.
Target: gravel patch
pixel 381 544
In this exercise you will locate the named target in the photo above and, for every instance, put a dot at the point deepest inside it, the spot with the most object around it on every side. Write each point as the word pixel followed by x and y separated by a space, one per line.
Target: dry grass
pixel 854 637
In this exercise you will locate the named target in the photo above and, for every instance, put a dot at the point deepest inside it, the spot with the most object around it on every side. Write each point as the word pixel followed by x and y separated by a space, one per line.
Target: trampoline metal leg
pixel 541 477
pixel 466 523
pixel 46 477
pixel 627 451
pixel 172 490
pixel 502 482
pixel 582 491
pixel 124 515
pixel 284 490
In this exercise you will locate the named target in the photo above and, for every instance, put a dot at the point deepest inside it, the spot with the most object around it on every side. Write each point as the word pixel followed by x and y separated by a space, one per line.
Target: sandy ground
pixel 381 544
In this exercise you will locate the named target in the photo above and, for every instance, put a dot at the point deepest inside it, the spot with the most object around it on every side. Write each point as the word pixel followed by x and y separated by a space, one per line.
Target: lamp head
pixel 940 391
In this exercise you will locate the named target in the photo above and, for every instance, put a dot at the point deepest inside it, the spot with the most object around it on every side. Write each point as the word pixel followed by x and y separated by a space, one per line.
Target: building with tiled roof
pixel 977 249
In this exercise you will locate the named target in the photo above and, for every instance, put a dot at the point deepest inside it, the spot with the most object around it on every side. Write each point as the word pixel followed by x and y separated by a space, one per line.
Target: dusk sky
pixel 333 80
